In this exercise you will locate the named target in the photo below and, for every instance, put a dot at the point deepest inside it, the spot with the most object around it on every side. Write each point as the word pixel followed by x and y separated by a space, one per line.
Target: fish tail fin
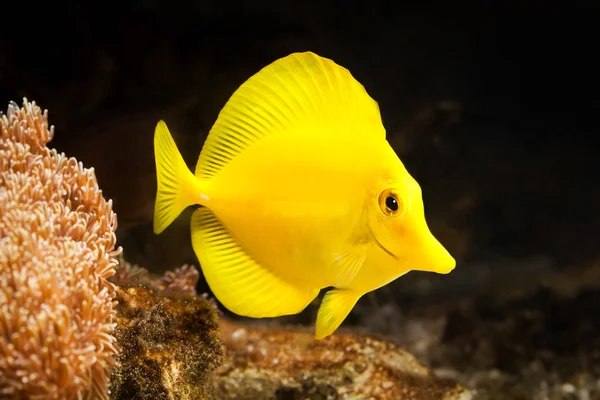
pixel 336 306
pixel 177 187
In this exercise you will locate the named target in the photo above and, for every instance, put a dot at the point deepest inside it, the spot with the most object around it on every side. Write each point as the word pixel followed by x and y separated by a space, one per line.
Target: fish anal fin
pixel 241 284
pixel 334 309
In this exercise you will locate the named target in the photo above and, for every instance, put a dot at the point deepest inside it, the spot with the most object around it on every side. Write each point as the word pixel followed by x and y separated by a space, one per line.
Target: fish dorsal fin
pixel 240 283
pixel 299 93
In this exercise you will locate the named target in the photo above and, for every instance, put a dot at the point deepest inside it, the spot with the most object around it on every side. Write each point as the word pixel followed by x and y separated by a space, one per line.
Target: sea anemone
pixel 57 250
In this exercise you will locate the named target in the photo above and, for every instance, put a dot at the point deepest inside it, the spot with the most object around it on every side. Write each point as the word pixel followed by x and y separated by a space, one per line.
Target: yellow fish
pixel 299 191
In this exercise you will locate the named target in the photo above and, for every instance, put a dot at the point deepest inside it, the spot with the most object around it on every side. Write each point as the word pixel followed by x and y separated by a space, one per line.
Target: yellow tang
pixel 299 191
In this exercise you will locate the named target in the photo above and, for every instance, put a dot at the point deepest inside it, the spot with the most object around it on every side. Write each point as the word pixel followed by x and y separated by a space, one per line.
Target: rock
pixel 276 363
pixel 170 345
pixel 174 347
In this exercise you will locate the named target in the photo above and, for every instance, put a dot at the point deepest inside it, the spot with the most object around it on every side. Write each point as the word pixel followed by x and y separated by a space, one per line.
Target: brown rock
pixel 277 363
pixel 170 345
pixel 172 351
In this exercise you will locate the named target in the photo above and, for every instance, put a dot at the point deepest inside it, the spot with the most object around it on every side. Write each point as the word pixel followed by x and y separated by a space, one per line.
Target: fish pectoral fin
pixel 241 284
pixel 347 265
pixel 336 306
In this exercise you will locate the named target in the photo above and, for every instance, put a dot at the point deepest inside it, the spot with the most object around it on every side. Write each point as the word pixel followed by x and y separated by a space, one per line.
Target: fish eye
pixel 390 202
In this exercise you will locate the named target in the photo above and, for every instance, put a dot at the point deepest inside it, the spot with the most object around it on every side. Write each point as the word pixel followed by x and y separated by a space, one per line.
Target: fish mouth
pixel 442 259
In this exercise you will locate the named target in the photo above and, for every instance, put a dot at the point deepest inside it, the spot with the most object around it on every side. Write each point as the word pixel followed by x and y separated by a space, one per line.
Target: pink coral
pixel 57 250
pixel 183 280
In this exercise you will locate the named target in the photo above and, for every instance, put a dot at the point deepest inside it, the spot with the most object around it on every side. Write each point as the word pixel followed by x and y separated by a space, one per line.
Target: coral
pixel 129 275
pixel 57 249
pixel 275 363
pixel 169 337
pixel 183 280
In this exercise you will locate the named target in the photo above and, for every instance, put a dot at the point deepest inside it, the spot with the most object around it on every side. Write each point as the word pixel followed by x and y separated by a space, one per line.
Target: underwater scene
pixel 262 200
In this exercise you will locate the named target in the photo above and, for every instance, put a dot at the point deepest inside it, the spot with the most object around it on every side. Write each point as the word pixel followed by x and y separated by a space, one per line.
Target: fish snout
pixel 446 264
pixel 434 257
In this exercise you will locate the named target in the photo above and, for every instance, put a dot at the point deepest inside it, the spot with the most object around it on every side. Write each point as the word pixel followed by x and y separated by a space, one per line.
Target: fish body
pixel 289 201
pixel 299 191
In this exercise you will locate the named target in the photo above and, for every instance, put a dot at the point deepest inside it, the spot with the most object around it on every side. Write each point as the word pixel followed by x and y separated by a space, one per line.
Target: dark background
pixel 492 106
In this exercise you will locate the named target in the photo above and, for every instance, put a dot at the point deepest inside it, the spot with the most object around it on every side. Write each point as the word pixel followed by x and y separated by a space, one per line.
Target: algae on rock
pixel 174 348
pixel 169 336
pixel 274 364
